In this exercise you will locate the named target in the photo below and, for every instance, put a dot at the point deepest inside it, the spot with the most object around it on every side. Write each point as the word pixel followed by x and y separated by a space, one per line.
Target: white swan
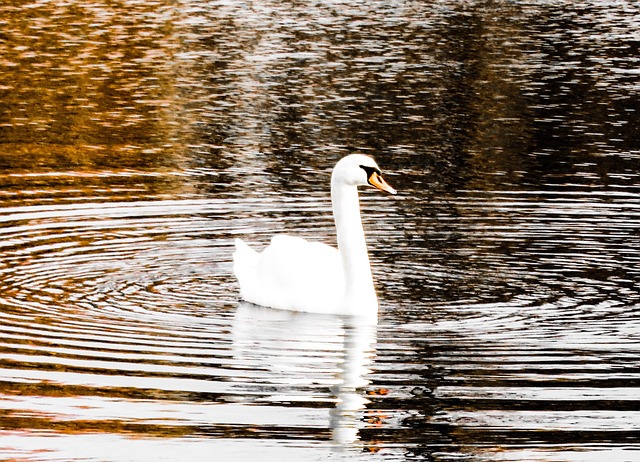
pixel 295 274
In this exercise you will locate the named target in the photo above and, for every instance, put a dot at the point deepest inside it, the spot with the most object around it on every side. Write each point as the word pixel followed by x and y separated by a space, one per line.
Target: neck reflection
pixel 306 360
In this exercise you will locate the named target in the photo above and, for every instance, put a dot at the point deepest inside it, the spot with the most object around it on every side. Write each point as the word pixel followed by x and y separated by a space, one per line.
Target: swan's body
pixel 295 274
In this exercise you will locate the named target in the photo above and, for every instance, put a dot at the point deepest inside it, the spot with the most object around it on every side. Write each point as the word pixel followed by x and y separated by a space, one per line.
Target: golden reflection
pixel 132 100
pixel 89 85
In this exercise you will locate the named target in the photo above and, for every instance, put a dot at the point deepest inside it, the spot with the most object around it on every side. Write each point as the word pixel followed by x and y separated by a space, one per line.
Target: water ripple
pixel 125 315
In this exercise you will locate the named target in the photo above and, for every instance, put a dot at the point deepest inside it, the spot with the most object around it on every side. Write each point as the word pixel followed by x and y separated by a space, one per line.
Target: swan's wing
pixel 298 273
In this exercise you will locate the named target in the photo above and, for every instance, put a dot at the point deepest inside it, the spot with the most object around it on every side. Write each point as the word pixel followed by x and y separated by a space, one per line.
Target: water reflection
pixel 139 138
pixel 85 85
pixel 307 351
pixel 477 96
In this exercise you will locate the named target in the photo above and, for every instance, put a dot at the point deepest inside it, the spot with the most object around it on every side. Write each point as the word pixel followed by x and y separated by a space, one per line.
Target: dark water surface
pixel 138 139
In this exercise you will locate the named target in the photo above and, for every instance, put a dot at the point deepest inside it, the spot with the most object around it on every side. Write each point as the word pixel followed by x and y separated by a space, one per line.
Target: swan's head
pixel 360 170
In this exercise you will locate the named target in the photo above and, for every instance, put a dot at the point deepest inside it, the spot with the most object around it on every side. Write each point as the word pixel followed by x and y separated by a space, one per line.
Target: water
pixel 138 139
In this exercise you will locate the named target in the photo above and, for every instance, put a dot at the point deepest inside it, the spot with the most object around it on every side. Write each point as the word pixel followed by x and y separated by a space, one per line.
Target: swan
pixel 295 274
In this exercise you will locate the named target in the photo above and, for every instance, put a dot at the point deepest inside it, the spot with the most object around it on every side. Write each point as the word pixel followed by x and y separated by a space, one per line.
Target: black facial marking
pixel 370 171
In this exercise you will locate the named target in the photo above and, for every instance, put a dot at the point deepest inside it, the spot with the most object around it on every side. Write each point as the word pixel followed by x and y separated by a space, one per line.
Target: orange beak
pixel 377 181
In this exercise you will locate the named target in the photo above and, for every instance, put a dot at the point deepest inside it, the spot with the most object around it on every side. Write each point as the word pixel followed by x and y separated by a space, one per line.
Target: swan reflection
pixel 300 357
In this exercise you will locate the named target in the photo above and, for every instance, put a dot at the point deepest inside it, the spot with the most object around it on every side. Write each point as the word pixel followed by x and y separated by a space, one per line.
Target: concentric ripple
pixel 90 257
pixel 85 298
pixel 507 319
pixel 123 318
pixel 138 138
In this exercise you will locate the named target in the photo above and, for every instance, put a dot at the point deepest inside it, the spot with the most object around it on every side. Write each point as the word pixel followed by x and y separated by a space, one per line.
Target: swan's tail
pixel 245 264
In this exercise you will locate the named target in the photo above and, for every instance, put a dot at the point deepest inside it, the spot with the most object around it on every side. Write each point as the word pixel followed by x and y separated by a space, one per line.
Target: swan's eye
pixel 370 171
pixel 374 178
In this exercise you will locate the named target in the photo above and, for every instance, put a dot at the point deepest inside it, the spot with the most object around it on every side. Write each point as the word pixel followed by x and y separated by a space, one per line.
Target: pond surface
pixel 138 139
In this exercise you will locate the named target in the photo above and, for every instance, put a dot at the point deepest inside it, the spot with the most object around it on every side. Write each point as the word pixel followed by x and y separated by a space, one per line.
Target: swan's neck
pixel 360 296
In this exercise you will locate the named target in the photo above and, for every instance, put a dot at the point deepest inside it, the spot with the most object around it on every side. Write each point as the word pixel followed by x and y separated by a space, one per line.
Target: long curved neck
pixel 359 291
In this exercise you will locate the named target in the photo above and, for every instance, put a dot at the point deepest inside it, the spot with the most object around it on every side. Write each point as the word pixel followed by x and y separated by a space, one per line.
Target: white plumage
pixel 296 274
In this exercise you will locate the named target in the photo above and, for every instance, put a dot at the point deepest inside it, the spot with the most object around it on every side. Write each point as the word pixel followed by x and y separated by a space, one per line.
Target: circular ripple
pixel 136 303
pixel 118 295
pixel 486 293
pixel 100 257
pixel 135 295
